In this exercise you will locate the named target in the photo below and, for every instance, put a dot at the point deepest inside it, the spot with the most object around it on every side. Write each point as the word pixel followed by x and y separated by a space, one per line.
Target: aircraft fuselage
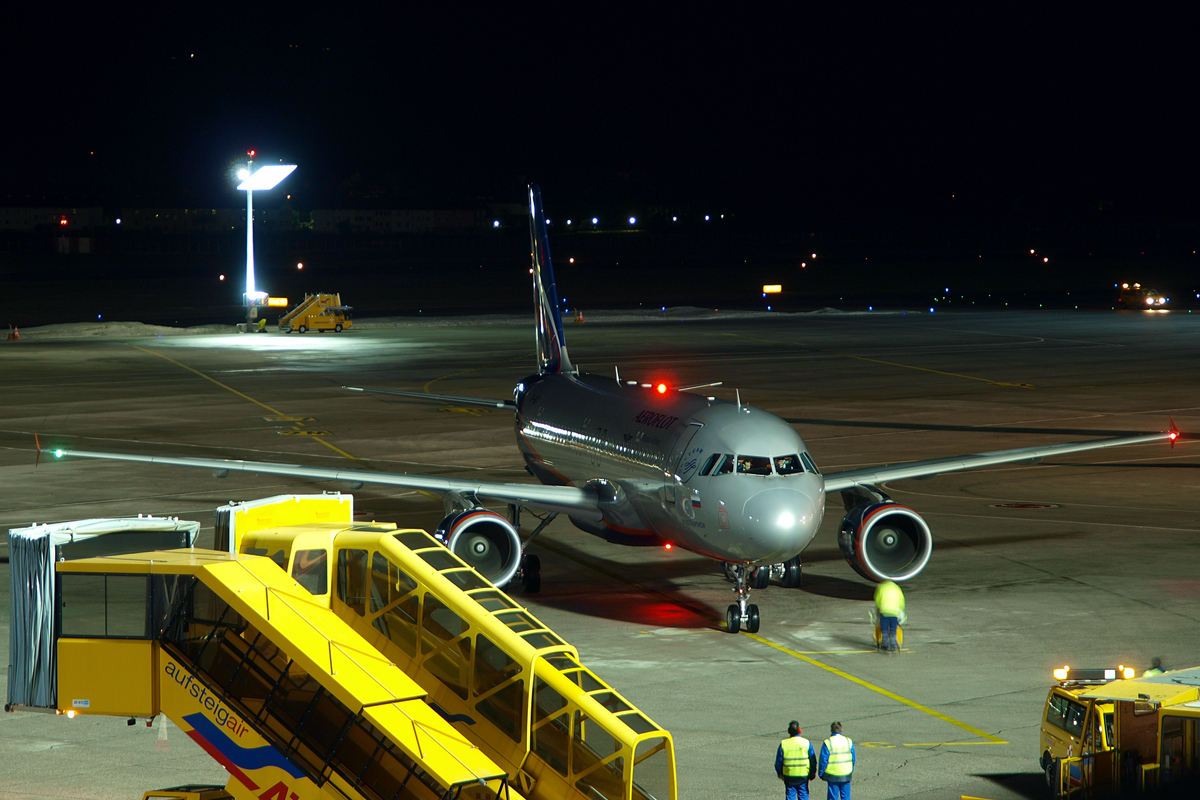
pixel 731 482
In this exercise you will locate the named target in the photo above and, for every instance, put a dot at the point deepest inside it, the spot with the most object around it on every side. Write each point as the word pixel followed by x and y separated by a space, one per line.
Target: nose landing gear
pixel 741 614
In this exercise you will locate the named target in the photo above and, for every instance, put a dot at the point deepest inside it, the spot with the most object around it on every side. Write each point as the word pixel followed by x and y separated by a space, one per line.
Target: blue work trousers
pixel 840 791
pixel 799 792
pixel 887 628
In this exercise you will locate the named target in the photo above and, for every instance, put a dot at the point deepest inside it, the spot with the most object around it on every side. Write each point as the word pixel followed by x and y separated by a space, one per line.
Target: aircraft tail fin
pixel 551 346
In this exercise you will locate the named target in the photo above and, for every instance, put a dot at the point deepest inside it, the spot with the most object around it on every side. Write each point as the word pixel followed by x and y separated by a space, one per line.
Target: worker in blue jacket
pixel 837 763
pixel 795 762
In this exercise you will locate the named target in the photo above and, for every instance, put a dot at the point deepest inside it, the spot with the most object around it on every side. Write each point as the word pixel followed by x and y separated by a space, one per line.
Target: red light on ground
pixel 668 545
pixel 662 388
pixel 62 221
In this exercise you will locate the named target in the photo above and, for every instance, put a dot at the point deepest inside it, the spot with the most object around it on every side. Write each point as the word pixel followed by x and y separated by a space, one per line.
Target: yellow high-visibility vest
pixel 840 760
pixel 795 757
pixel 889 599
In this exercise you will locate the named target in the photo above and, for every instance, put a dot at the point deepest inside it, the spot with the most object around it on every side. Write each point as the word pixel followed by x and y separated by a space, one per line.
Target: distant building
pixel 28 219
pixel 391 220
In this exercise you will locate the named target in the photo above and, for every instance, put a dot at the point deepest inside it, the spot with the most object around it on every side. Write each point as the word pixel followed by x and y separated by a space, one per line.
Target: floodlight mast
pixel 264 178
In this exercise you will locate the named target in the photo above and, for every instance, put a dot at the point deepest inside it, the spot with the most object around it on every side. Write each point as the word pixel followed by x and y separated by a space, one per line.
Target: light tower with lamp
pixel 262 179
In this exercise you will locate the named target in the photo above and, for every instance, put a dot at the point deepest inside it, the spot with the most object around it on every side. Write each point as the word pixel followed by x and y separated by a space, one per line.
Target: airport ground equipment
pixel 191 791
pixel 498 673
pixel 317 312
pixel 281 692
pixel 33 552
pixel 1105 732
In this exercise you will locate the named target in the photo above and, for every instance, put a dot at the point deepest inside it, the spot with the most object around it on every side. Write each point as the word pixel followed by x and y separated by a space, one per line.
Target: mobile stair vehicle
pixel 314 657
pixel 317 312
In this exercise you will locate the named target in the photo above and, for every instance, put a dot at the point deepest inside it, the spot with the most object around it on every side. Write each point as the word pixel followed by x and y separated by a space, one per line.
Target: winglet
pixel 1173 432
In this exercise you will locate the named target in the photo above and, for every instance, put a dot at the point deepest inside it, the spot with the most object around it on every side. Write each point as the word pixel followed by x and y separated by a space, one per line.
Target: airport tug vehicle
pixel 1106 732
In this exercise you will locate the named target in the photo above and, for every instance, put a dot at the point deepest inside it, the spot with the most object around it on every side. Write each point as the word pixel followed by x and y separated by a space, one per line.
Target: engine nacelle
pixel 485 540
pixel 885 541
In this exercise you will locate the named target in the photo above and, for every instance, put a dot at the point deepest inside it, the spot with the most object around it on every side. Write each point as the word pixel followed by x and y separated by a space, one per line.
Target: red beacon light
pixel 668 545
pixel 62 221
pixel 661 388
pixel 251 152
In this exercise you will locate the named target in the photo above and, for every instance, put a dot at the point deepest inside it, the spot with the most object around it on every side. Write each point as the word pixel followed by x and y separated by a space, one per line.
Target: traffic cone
pixel 579 316
pixel 16 334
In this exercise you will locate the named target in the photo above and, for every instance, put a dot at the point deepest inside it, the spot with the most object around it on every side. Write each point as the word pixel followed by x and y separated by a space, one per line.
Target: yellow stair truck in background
pixel 317 312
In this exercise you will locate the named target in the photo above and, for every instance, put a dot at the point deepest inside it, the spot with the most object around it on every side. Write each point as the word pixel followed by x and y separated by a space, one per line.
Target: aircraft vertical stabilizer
pixel 551 346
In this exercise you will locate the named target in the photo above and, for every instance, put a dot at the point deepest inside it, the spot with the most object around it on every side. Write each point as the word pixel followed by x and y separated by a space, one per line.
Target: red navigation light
pixel 251 152
pixel 661 388
pixel 668 545
pixel 62 221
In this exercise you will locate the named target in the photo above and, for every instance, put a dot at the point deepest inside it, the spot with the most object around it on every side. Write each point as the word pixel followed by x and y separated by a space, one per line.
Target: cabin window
pixel 651 770
pixel 590 745
pixel 352 579
pixel 712 462
pixel 106 606
pixel 753 465
pixel 494 667
pixel 451 663
pixel 725 467
pixel 551 737
pixel 310 568
pixel 809 463
pixel 399 621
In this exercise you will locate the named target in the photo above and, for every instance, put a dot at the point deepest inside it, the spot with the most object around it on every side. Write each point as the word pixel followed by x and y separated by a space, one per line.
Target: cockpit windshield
pixel 728 464
pixel 788 465
pixel 753 465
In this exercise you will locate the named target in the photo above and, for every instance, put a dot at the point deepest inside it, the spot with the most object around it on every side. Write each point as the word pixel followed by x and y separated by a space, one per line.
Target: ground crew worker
pixel 795 762
pixel 890 602
pixel 837 763
pixel 1156 668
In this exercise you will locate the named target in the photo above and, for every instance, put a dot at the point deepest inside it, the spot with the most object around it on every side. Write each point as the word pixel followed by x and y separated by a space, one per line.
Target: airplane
pixel 640 464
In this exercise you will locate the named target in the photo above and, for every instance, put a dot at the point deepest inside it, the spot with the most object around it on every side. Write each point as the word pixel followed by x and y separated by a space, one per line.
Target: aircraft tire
pixel 792 574
pixel 762 578
pixel 733 618
pixel 752 618
pixel 531 571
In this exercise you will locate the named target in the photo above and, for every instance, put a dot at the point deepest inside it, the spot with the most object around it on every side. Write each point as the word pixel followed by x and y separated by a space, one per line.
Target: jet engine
pixel 485 540
pixel 885 541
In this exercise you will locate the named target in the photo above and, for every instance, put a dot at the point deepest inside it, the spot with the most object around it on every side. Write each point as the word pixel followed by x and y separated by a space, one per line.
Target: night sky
pixel 872 118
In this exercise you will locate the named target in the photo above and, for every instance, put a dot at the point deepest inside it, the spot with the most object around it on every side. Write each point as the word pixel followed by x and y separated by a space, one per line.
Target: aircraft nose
pixel 779 523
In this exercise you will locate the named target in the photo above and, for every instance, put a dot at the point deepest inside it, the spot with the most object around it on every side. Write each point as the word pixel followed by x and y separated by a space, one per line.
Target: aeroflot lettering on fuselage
pixel 654 419
pixel 212 705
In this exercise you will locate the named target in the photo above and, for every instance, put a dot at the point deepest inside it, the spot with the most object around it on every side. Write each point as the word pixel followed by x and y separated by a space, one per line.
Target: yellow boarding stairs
pixel 276 688
pixel 505 681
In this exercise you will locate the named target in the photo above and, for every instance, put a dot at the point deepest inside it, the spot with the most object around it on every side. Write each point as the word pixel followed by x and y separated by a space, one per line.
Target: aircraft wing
pixel 439 398
pixel 566 499
pixel 837 481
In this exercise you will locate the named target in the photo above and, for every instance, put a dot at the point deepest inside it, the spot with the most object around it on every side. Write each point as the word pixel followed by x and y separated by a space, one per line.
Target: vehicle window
pixel 753 465
pixel 788 465
pixel 726 465
pixel 809 464
pixel 310 568
pixel 352 579
pixel 1056 710
pixel 1073 723
pixel 1108 729
pixel 710 463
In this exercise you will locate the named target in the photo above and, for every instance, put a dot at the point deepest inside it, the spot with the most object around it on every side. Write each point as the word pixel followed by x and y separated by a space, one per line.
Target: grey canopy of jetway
pixel 33 552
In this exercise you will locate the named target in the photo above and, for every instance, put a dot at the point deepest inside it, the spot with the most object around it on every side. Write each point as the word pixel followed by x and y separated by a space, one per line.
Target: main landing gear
pixel 741 614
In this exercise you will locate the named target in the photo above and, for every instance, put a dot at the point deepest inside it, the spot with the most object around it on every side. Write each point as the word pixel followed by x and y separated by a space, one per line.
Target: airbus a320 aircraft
pixel 653 466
